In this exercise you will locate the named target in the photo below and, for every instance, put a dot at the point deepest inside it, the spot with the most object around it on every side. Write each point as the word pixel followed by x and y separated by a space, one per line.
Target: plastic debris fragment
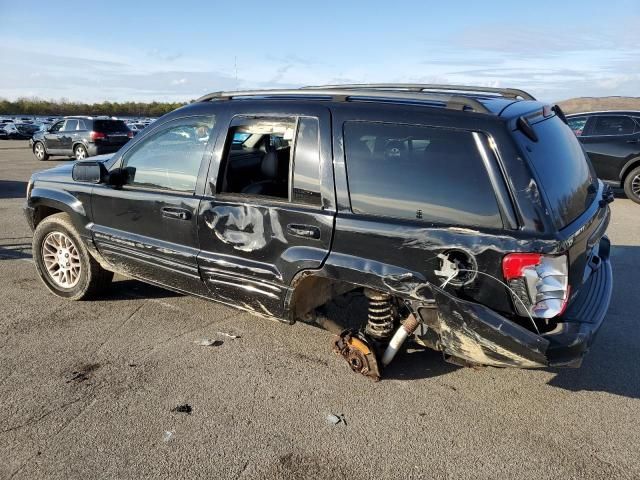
pixel 186 408
pixel 207 342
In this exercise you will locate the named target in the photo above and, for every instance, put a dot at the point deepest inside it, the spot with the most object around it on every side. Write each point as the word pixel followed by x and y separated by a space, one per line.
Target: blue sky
pixel 178 50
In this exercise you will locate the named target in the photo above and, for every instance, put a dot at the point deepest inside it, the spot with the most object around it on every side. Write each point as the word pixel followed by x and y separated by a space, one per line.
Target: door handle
pixel 636 140
pixel 305 231
pixel 177 213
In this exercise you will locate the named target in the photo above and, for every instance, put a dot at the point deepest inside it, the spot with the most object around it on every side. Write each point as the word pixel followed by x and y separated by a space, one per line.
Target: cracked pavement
pixel 87 388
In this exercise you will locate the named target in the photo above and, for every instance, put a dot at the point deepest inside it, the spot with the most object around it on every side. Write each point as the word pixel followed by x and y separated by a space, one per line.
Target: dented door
pixel 253 245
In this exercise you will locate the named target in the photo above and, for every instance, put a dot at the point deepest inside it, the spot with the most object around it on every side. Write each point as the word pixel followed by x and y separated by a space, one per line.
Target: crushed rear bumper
pixel 472 333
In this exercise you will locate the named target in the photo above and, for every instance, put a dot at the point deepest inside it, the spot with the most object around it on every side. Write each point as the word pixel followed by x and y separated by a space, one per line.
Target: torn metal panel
pixel 474 333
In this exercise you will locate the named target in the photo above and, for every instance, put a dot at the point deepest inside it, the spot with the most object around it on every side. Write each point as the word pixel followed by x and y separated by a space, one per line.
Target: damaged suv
pixel 465 218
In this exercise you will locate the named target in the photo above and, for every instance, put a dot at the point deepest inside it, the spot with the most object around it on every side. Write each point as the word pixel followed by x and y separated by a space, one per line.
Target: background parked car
pixel 18 131
pixel 612 140
pixel 80 137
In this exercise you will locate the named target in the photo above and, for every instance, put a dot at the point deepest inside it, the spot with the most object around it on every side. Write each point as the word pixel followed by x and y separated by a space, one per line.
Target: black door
pixel 268 213
pixel 51 138
pixel 148 228
pixel 610 141
pixel 67 135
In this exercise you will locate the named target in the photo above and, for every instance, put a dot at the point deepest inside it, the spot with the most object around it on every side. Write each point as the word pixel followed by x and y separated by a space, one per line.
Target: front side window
pixel 56 127
pixel 614 125
pixel 577 124
pixel 171 158
pixel 425 174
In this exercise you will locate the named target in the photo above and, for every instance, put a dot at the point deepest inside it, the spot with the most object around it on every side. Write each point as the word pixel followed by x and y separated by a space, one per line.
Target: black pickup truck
pixel 466 218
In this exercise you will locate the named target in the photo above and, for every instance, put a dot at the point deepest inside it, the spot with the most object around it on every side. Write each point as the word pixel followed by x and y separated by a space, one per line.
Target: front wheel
pixel 40 152
pixel 80 152
pixel 632 185
pixel 63 262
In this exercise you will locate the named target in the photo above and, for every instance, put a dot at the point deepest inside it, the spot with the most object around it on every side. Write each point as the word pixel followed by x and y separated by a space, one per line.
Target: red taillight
pixel 97 135
pixel 130 134
pixel 539 283
pixel 514 264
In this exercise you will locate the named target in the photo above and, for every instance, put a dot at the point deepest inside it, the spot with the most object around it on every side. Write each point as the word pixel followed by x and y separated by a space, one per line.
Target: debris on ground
pixel 167 435
pixel 229 335
pixel 336 419
pixel 186 408
pixel 83 373
pixel 207 342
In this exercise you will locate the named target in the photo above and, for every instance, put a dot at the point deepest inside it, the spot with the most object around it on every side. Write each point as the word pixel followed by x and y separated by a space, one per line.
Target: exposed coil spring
pixel 380 321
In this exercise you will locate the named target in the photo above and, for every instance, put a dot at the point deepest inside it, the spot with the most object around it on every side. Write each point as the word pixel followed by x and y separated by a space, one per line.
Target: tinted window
pixel 306 171
pixel 418 173
pixel 613 125
pixel 577 124
pixel 562 168
pixel 82 125
pixel 107 126
pixel 70 125
pixel 171 158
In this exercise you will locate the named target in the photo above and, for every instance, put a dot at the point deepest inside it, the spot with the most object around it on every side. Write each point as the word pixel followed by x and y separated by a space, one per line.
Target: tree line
pixel 37 106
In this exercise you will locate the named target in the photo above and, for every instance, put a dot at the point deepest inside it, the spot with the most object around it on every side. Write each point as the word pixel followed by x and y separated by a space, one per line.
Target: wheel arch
pixel 35 142
pixel 630 165
pixel 341 273
pixel 46 202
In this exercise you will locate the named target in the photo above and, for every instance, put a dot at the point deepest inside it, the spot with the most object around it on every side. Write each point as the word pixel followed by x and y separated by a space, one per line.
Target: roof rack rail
pixel 450 101
pixel 428 87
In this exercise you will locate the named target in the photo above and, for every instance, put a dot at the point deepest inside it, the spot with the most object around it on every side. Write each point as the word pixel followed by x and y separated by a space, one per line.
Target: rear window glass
pixel 418 173
pixel 110 126
pixel 563 170
pixel 577 124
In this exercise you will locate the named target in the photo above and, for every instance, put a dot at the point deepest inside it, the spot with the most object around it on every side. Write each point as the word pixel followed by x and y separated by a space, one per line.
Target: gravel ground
pixel 87 388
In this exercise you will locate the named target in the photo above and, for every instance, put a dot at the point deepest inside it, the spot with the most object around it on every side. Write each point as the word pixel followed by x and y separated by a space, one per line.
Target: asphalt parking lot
pixel 87 388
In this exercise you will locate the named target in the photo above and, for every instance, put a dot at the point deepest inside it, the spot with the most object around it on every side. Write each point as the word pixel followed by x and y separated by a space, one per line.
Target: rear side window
pixel 108 126
pixel 418 173
pixel 577 124
pixel 613 125
pixel 306 170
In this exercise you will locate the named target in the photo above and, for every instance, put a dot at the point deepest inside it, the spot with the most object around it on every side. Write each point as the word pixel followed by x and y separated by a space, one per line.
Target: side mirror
pixel 90 172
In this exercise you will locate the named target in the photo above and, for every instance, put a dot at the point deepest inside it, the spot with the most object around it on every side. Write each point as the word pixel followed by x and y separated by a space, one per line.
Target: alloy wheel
pixel 80 153
pixel 61 259
pixel 39 151
pixel 635 185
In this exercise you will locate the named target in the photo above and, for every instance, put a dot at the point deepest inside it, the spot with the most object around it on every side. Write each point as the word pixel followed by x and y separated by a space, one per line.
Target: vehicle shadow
pixel 15 251
pixel 416 364
pixel 613 364
pixel 127 289
pixel 12 189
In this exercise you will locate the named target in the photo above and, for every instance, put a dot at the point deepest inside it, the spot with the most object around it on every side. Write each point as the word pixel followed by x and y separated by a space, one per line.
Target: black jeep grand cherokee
pixel 466 218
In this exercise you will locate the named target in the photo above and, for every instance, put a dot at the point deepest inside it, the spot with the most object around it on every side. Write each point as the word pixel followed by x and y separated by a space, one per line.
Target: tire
pixel 632 185
pixel 40 152
pixel 80 152
pixel 55 241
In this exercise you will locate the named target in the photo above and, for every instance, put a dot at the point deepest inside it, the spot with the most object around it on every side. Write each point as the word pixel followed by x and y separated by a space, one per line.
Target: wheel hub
pixel 61 259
